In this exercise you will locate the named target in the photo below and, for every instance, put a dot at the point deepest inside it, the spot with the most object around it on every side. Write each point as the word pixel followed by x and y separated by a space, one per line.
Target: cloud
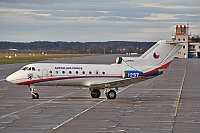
pixel 158 5
pixel 104 12
pixel 155 16
pixel 24 12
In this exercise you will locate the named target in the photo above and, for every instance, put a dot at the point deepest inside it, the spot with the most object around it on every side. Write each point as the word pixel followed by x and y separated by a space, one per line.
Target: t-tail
pixel 159 55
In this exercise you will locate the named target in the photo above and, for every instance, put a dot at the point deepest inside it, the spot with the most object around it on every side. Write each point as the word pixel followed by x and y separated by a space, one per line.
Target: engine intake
pixel 119 60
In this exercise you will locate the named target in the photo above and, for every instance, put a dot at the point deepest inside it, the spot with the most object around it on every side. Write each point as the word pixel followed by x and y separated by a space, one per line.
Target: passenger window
pixel 29 68
pixel 90 72
pixel 33 68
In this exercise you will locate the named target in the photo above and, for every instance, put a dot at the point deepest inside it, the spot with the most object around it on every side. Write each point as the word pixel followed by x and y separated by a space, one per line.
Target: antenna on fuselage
pixel 128 64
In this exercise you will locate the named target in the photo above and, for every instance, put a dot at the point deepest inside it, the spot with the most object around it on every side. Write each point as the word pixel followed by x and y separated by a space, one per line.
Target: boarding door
pixel 44 73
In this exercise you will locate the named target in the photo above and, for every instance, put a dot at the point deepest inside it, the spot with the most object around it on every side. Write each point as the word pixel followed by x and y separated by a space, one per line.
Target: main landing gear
pixel 110 94
pixel 95 93
pixel 34 95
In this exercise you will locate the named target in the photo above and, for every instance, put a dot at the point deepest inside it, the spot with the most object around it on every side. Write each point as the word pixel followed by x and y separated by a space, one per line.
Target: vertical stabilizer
pixel 161 54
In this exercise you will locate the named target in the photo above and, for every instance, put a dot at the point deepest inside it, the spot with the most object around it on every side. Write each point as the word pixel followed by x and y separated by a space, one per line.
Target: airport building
pixel 190 49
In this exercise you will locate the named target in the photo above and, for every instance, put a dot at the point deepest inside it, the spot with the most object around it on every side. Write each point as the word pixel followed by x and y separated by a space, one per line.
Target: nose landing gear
pixel 34 95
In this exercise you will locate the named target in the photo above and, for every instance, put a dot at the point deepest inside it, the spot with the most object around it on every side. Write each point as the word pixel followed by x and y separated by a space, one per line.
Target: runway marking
pixel 85 111
pixel 38 104
pixel 179 97
pixel 180 92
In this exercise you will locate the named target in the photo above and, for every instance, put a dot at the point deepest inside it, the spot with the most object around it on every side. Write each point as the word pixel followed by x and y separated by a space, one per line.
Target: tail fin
pixel 161 55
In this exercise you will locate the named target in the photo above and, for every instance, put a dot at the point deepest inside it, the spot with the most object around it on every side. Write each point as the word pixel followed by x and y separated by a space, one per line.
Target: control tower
pixel 181 34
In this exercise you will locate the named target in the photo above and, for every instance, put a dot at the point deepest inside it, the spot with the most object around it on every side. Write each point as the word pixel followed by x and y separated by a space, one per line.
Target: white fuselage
pixel 49 74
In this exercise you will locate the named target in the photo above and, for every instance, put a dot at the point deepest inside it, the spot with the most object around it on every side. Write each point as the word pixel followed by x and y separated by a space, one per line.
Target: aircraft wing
pixel 116 83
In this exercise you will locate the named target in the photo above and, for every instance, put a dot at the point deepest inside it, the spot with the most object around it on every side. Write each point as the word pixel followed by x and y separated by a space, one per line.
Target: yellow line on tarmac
pixel 180 92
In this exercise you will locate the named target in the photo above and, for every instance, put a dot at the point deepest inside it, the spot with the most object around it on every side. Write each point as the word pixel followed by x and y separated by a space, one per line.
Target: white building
pixel 190 49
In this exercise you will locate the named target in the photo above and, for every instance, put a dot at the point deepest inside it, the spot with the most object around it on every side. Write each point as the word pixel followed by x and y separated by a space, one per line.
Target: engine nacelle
pixel 132 74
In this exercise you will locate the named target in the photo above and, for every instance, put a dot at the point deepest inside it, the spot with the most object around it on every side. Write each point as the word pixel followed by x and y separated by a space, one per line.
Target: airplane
pixel 126 71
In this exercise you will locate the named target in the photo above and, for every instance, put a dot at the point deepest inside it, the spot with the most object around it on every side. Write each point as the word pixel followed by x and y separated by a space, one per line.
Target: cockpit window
pixel 24 68
pixel 29 68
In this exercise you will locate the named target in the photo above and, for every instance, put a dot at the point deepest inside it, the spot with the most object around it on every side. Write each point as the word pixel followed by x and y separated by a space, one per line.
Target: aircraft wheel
pixel 35 96
pixel 95 93
pixel 111 94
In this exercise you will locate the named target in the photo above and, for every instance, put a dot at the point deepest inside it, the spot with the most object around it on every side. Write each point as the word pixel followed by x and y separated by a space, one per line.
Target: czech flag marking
pixel 156 55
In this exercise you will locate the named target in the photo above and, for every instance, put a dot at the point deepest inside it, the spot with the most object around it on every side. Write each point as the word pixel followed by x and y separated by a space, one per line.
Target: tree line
pixel 109 47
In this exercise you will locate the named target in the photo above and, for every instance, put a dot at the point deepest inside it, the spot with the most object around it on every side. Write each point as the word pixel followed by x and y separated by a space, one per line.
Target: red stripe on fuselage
pixel 62 78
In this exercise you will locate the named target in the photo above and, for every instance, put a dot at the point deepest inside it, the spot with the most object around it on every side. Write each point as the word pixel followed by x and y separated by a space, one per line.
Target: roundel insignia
pixel 156 55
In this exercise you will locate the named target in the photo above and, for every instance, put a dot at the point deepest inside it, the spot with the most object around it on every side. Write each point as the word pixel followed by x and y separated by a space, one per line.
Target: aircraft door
pixel 44 73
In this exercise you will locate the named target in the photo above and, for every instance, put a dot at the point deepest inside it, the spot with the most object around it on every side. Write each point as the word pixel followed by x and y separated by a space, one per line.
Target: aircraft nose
pixel 10 78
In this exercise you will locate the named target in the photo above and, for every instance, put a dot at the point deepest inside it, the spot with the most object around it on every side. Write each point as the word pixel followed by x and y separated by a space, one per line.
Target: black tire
pixel 35 96
pixel 111 94
pixel 95 93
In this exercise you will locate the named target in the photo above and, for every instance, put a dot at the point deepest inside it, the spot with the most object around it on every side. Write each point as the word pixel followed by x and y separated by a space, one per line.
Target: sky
pixel 95 20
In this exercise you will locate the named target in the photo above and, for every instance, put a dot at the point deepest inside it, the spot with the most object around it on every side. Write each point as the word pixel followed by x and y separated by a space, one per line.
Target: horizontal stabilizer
pixel 175 42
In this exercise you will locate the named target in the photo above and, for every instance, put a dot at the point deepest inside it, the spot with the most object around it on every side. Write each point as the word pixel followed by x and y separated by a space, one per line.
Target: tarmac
pixel 168 103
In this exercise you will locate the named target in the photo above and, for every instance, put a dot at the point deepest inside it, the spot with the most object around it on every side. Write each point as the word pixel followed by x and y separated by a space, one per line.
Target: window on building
pixel 103 73
pixel 179 39
pixel 183 47
pixel 56 72
pixel 76 72
pixel 199 47
pixel 90 72
pixel 83 72
pixel 183 39
pixel 70 72
pixel 63 72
